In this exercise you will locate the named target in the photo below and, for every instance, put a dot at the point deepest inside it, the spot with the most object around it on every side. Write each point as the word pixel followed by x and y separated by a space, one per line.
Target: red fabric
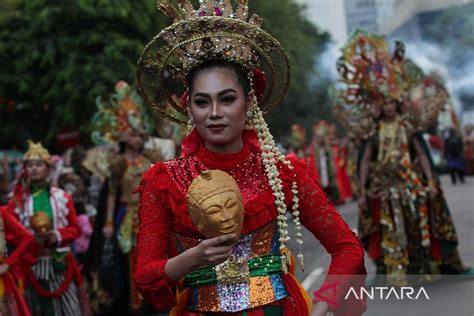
pixel 163 211
pixel 10 287
pixel 297 305
pixel 312 164
pixel 342 178
pixel 436 142
pixel 436 249
pixel 72 231
pixel 375 239
pixel 17 235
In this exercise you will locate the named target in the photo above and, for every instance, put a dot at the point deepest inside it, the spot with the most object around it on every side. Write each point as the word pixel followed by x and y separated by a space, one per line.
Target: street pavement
pixel 451 295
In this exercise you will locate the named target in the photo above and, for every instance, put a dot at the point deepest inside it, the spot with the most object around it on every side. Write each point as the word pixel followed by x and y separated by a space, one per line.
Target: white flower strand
pixel 271 154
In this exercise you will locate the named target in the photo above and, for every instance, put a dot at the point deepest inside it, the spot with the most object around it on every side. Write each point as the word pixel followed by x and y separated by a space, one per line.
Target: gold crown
pixel 36 151
pixel 214 31
pixel 195 52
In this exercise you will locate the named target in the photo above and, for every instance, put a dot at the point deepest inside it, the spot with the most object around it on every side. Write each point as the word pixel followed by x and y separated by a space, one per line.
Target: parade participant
pixel 121 120
pixel 321 160
pixel 234 73
pixel 351 145
pixel 48 212
pixel 404 220
pixel 11 266
pixel 454 152
pixel 469 148
pixel 297 140
pixel 339 156
pixel 162 141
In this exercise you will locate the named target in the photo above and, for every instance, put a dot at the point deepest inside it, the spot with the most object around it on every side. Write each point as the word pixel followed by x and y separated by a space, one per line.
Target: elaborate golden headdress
pixel 36 151
pixel 214 31
pixel 124 110
pixel 370 77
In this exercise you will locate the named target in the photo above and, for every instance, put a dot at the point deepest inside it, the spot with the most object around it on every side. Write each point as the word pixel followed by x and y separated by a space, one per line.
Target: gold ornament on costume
pixel 215 204
pixel 214 31
pixel 36 151
pixel 40 223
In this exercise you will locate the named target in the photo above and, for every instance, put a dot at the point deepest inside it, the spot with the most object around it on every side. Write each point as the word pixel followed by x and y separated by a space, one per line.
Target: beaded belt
pixel 232 272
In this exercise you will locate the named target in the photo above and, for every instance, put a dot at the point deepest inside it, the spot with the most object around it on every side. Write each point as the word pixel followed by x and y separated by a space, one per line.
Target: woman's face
pixel 389 109
pixel 217 104
pixel 134 139
pixel 37 170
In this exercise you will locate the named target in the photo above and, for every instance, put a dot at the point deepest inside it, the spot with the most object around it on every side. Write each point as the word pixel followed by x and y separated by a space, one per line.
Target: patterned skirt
pixel 50 271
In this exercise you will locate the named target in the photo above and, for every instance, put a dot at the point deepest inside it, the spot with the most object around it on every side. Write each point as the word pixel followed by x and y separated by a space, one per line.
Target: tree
pixel 306 99
pixel 58 56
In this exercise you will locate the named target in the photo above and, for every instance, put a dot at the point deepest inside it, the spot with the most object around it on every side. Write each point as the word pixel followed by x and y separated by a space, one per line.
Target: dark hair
pixel 223 64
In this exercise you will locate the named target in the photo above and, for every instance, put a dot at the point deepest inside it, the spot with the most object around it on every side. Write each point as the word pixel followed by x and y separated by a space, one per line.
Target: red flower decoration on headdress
pixel 259 82
pixel 183 100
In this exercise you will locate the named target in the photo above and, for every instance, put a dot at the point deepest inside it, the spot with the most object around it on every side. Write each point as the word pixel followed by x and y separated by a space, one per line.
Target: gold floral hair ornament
pixel 36 151
pixel 122 111
pixel 213 31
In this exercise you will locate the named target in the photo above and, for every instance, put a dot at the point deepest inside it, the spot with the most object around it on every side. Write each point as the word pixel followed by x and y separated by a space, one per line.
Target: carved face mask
pixel 40 223
pixel 215 204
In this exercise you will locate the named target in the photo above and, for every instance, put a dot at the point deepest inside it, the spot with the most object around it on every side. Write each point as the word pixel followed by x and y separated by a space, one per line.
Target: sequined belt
pixel 235 286
pixel 252 277
pixel 233 272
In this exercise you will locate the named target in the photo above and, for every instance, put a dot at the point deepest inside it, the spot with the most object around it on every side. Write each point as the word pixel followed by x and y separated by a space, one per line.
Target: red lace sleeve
pixel 155 226
pixel 319 216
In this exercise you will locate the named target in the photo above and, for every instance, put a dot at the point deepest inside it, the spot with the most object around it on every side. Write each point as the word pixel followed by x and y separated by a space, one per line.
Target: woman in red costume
pixel 11 276
pixel 251 273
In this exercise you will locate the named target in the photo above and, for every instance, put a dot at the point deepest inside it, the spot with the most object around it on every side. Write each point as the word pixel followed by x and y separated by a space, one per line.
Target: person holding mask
pixel 48 213
pixel 220 56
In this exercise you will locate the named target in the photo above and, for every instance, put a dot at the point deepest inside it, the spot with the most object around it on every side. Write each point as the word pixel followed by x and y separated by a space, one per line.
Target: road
pixel 453 295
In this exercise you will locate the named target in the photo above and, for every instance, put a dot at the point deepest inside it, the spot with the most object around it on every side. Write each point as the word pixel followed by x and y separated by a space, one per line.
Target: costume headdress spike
pixel 36 151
